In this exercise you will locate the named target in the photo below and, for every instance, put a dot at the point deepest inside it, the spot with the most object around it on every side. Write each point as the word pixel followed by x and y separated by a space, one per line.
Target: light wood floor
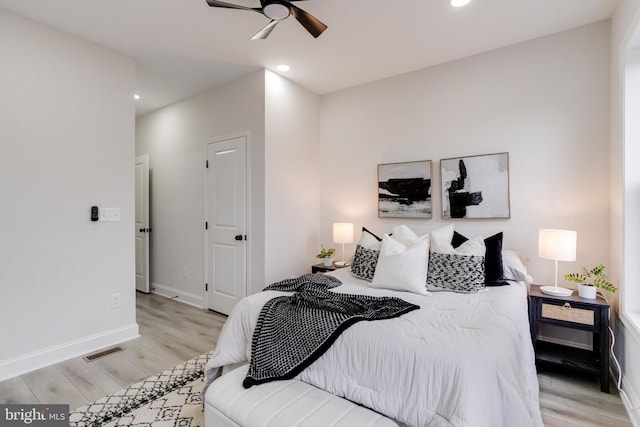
pixel 173 332
pixel 170 332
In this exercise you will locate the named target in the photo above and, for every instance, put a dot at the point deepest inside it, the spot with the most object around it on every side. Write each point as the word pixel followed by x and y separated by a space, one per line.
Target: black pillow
pixel 493 268
pixel 457 239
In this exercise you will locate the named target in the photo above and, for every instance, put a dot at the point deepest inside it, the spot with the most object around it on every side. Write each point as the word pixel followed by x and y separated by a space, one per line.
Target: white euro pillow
pixel 515 266
pixel 369 241
pixel 401 267
pixel 405 235
pixel 441 236
pixel 472 247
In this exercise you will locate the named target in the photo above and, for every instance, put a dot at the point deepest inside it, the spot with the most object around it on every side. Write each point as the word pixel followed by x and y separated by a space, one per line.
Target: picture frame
pixel 475 187
pixel 404 190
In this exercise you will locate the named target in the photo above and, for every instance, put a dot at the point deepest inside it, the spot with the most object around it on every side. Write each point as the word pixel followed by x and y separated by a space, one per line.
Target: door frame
pixel 248 217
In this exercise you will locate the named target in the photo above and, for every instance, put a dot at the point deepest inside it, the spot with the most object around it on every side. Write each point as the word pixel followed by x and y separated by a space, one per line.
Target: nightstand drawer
pixel 568 314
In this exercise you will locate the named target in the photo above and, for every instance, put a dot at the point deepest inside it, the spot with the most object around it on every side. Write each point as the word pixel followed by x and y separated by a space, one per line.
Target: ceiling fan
pixel 276 10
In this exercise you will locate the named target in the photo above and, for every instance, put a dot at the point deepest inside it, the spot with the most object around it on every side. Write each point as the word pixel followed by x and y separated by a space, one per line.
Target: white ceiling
pixel 183 47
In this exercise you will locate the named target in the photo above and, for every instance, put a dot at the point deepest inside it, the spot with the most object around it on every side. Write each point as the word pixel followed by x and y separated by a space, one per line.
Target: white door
pixel 142 223
pixel 226 212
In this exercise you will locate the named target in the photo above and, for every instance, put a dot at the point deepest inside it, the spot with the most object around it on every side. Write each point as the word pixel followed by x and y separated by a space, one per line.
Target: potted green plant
pixel 325 255
pixel 589 280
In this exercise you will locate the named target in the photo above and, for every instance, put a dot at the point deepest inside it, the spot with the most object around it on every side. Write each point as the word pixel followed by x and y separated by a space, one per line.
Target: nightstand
pixel 575 313
pixel 321 268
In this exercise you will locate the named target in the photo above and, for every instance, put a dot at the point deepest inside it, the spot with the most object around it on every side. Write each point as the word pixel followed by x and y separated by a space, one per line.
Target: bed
pixel 461 359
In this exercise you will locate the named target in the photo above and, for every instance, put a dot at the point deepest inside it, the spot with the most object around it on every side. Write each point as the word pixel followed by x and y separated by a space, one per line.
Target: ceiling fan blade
pixel 216 3
pixel 264 32
pixel 308 21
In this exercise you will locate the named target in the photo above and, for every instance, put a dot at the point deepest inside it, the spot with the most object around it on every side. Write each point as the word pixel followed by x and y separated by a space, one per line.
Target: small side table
pixel 572 312
pixel 321 268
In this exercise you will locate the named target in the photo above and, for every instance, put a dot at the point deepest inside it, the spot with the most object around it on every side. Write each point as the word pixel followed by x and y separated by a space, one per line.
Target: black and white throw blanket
pixel 293 331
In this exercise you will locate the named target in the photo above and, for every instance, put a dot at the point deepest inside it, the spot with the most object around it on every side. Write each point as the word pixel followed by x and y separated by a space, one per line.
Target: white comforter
pixel 461 360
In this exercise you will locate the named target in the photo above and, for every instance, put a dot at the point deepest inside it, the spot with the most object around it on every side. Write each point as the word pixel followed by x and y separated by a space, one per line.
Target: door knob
pixel 238 237
pixel 141 230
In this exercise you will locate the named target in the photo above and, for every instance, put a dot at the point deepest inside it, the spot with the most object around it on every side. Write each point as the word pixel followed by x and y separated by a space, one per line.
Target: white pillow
pixel 442 236
pixel 405 235
pixel 401 267
pixel 472 247
pixel 515 266
pixel 369 241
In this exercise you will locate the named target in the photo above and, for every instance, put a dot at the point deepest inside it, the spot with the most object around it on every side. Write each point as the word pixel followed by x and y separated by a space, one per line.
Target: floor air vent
pixel 103 353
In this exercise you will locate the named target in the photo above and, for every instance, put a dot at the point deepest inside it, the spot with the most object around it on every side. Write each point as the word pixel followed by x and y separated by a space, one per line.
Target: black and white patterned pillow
pixel 493 266
pixel 457 273
pixel 366 257
pixel 364 263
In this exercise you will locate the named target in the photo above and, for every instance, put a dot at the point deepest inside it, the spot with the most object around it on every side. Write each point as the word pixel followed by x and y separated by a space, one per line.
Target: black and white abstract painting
pixel 404 190
pixel 475 186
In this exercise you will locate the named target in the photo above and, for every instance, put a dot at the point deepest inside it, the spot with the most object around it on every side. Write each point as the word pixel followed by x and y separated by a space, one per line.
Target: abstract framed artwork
pixel 475 186
pixel 404 190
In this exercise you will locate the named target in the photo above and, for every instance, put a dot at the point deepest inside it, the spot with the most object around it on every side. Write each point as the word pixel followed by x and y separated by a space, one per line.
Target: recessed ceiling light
pixel 136 96
pixel 283 67
pixel 459 3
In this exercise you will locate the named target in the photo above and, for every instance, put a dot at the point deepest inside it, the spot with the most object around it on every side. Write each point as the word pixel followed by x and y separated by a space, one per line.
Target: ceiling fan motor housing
pixel 275 9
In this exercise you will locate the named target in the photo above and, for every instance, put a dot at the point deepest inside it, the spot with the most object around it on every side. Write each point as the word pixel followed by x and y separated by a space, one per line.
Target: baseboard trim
pixel 178 295
pixel 16 366
pixel 632 403
pixel 627 333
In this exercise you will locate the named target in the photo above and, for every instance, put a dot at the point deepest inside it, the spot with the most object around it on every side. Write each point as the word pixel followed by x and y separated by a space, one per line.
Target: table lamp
pixel 342 233
pixel 557 245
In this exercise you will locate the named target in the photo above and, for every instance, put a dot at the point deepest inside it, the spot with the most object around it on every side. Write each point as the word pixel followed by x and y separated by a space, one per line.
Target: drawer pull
pixel 568 314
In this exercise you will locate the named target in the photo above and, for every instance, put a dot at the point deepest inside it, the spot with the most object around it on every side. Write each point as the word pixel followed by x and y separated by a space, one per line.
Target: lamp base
pixel 342 264
pixel 556 291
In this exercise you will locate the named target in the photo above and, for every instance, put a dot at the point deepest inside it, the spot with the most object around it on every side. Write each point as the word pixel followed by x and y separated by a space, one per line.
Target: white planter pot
pixel 586 291
pixel 328 262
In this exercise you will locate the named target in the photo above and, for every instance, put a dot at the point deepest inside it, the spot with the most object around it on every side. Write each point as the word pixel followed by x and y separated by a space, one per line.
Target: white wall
pixel 623 178
pixel 631 296
pixel 67 132
pixel 546 102
pixel 283 121
pixel 292 178
pixel 175 139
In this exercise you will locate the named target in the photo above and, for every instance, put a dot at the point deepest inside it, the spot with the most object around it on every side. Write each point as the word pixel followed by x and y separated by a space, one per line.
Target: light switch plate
pixel 109 214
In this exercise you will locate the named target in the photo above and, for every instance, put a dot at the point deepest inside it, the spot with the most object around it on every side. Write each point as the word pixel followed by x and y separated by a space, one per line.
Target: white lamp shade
pixel 559 245
pixel 343 232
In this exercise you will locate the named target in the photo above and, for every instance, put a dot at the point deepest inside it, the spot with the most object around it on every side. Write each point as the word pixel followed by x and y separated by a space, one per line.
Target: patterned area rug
pixel 171 398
